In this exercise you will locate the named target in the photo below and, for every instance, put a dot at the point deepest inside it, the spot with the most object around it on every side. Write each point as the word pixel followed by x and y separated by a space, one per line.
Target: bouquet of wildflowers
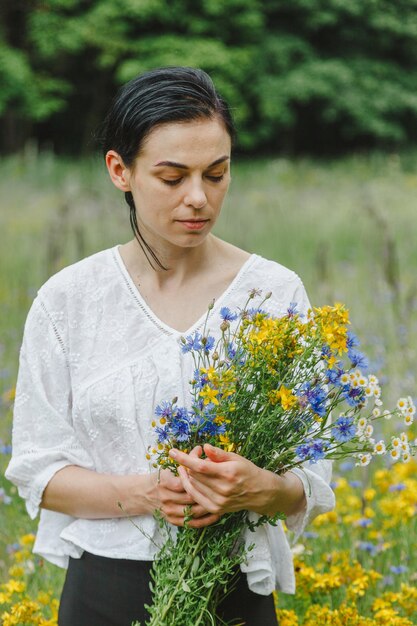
pixel 264 390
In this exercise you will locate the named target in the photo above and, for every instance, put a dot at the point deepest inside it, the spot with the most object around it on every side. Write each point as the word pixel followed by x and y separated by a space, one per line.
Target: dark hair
pixel 160 96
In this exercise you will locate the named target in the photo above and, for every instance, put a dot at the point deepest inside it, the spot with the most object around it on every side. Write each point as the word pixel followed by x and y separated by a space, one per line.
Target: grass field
pixel 349 229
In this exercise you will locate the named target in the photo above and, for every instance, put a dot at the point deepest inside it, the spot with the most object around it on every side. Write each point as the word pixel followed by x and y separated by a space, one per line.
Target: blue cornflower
pixel 368 546
pixel 358 359
pixel 397 487
pixel 210 427
pixel 346 466
pixel 303 451
pixel 231 351
pixel 352 340
pixel 6 449
pixel 318 449
pixel 181 429
pixel 364 522
pixel 163 433
pixel 334 375
pixel 164 410
pixel 344 429
pixel 326 351
pixel 353 395
pixel 250 313
pixel 208 343
pixel 316 397
pixel 193 342
pixel 199 380
pixel 312 449
pixel 398 569
pixel 4 497
pixel 181 413
pixel 292 309
pixel 356 484
pixel 310 534
pixel 227 315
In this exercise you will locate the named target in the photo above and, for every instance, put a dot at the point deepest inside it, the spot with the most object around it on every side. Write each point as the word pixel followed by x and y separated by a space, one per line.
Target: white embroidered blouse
pixel 94 363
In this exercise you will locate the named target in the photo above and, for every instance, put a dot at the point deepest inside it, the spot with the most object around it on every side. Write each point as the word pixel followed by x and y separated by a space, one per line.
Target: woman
pixel 102 347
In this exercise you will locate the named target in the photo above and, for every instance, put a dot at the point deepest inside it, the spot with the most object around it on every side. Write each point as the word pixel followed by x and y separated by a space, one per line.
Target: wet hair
pixel 156 97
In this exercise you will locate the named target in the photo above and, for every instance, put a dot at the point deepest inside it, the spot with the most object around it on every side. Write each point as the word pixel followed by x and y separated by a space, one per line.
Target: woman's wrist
pixel 279 494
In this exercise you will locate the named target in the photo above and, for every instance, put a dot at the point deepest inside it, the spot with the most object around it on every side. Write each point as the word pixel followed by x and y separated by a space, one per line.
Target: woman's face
pixel 178 181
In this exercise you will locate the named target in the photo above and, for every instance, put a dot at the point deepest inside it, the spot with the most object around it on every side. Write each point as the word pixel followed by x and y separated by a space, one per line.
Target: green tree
pixel 313 75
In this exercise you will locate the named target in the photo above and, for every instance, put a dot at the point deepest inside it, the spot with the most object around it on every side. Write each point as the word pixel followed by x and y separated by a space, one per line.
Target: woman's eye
pixel 174 182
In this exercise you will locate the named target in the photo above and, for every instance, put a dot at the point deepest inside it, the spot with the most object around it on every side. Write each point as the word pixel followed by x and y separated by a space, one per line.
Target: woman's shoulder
pixel 84 278
pixel 275 271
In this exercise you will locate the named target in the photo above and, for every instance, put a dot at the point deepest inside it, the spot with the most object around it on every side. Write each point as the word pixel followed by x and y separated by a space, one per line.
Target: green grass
pixel 347 227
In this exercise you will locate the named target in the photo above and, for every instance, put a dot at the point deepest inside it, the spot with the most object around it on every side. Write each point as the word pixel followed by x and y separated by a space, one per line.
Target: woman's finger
pixel 197 495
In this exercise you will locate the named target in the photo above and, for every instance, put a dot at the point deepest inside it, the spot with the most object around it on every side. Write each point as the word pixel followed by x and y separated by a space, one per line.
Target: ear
pixel 119 173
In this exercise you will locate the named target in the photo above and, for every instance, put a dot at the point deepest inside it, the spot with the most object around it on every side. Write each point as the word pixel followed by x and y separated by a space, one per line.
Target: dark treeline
pixel 318 76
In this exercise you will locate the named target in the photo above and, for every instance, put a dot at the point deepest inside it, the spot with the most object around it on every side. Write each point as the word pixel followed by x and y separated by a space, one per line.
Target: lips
pixel 193 224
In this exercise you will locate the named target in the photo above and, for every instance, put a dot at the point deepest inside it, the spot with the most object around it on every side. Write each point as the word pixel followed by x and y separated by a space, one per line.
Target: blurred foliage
pixel 312 75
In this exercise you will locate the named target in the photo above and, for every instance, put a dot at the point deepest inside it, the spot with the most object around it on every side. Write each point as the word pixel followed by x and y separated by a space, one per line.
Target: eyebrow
pixel 181 166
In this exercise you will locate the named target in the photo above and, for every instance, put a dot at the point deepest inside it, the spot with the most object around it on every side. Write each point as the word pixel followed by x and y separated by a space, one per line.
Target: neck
pixel 181 263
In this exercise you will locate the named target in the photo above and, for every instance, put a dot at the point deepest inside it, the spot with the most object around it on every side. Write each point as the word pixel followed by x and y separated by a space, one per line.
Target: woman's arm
pixel 84 493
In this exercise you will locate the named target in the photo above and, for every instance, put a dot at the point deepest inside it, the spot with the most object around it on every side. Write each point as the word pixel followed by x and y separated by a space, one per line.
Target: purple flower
pixel 292 309
pixel 344 429
pixel 355 484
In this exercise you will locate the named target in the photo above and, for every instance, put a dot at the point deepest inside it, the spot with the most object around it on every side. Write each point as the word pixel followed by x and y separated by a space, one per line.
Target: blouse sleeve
pixel 315 477
pixel 43 440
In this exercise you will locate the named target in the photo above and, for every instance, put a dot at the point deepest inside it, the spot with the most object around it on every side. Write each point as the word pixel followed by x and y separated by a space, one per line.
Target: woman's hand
pixel 225 482
pixel 167 494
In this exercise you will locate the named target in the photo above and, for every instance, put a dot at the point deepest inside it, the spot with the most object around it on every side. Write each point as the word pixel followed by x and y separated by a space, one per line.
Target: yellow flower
pixel 284 395
pixel 287 618
pixel 27 540
pixel 14 586
pixel 209 395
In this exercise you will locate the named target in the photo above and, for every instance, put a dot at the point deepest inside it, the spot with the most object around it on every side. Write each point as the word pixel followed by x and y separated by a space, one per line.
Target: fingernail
pixel 173 453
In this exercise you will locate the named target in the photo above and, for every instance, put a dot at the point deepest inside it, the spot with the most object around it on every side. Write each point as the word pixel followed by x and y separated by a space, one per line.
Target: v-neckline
pixel 144 306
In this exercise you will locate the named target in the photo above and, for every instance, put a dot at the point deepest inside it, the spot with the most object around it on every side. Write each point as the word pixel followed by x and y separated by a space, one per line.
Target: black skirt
pixel 99 591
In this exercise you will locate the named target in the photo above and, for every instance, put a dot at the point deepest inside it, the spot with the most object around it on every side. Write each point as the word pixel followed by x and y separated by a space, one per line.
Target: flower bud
pixel 224 326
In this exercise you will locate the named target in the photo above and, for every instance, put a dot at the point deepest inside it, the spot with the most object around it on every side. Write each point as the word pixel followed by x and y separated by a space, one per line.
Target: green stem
pixel 180 581
pixel 204 608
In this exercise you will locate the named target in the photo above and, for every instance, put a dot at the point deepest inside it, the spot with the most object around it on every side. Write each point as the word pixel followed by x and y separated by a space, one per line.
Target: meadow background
pixel 324 181
pixel 348 227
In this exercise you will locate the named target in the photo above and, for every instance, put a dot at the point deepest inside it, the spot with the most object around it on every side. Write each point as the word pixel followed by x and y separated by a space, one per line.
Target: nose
pixel 195 195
